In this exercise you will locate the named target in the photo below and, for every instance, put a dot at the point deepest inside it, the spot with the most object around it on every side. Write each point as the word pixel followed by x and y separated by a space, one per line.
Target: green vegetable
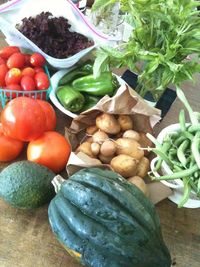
pixel 26 185
pixel 111 223
pixel 165 35
pixel 90 101
pixel 75 73
pixel 70 98
pixel 105 84
pixel 181 151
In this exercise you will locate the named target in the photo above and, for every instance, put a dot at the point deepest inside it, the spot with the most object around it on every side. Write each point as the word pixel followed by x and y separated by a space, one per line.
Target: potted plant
pixel 163 47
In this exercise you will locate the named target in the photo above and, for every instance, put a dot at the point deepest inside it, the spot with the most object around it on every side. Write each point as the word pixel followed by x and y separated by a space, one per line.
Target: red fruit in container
pixel 37 60
pixel 27 83
pixel 13 76
pixel 15 87
pixel 3 71
pixel 28 71
pixel 16 60
pixel 42 81
pixel 2 61
pixel 27 60
pixel 38 69
pixel 7 51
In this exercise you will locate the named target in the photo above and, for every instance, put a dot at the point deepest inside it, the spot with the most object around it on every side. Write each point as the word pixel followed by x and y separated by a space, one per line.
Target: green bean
pixel 181 152
pixel 165 148
pixel 188 135
pixel 186 192
pixel 162 155
pixel 179 140
pixel 195 148
pixel 194 128
pixel 178 175
pixel 182 120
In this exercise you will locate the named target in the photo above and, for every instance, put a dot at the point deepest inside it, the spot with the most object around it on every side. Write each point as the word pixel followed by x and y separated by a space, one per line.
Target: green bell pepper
pixel 79 71
pixel 90 101
pixel 105 84
pixel 71 99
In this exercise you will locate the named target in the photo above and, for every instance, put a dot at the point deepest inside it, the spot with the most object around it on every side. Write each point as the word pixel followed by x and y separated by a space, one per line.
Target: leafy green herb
pixel 165 41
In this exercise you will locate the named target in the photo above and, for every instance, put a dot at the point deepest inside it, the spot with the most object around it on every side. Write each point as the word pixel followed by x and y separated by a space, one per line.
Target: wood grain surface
pixel 26 239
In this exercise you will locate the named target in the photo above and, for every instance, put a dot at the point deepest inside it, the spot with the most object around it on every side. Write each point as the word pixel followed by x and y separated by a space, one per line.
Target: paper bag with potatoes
pixel 113 134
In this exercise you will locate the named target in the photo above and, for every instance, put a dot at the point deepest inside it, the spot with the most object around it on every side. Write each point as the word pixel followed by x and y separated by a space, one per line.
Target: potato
pixel 99 137
pixel 132 134
pixel 108 123
pixel 139 182
pixel 108 148
pixel 143 167
pixel 125 122
pixel 124 165
pixel 91 129
pixel 104 159
pixel 129 147
pixel 145 142
pixel 89 139
pixel 85 147
pixel 95 147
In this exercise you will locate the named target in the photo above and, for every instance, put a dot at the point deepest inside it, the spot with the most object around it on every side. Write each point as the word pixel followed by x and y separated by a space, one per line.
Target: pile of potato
pixel 114 141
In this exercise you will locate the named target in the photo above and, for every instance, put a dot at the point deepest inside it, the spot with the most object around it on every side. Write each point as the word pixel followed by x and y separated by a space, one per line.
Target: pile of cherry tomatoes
pixel 22 72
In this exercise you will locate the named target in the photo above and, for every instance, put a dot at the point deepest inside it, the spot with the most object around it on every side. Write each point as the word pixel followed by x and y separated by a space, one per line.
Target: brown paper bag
pixel 126 101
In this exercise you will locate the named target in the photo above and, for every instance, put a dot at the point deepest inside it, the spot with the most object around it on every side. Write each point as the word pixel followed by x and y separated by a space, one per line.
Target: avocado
pixel 26 185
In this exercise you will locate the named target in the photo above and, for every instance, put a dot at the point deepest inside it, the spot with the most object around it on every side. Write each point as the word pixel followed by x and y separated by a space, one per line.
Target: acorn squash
pixel 105 221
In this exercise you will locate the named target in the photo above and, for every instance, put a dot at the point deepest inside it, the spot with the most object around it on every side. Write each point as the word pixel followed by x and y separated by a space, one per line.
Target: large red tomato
pixel 10 148
pixel 51 150
pixel 50 115
pixel 23 119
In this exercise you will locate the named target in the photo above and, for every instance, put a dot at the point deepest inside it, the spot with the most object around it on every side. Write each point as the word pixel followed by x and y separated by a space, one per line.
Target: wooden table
pixel 26 239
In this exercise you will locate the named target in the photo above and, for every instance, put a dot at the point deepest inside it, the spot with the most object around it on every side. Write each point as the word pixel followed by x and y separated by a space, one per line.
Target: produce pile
pixel 113 141
pixel 53 35
pixel 22 72
pixel 79 90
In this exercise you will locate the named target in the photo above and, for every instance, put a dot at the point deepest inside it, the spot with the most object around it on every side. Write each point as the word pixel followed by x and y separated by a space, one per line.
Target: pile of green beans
pixel 180 150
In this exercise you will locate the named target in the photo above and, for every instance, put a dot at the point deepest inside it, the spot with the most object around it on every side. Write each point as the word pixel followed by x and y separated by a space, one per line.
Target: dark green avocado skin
pixel 26 185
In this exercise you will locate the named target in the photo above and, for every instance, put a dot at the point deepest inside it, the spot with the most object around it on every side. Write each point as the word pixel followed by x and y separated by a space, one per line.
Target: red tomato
pixel 50 115
pixel 2 61
pixel 37 60
pixel 13 76
pixel 23 119
pixel 38 69
pixel 28 71
pixel 27 83
pixel 15 87
pixel 3 71
pixel 51 150
pixel 42 81
pixel 27 60
pixel 7 51
pixel 10 148
pixel 16 60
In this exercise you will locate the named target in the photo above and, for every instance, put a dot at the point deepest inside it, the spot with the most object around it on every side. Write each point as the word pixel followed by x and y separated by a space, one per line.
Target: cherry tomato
pixel 3 71
pixel 38 69
pixel 27 60
pixel 16 60
pixel 27 83
pixel 15 87
pixel 51 150
pixel 7 51
pixel 42 81
pixel 50 115
pixel 10 148
pixel 23 119
pixel 2 61
pixel 28 71
pixel 37 60
pixel 13 76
